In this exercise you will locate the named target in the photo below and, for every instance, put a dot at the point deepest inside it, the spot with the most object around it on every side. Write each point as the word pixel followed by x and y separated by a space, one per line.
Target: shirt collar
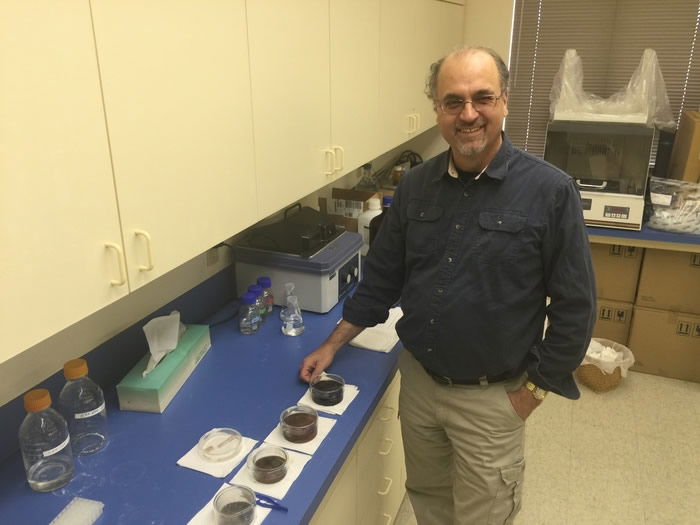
pixel 497 168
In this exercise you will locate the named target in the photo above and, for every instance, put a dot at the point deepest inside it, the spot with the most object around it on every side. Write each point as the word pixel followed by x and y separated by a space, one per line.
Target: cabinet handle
pixel 338 153
pixel 410 118
pixel 389 518
pixel 418 122
pixel 120 258
pixel 330 161
pixel 388 487
pixel 148 267
pixel 389 411
pixel 386 452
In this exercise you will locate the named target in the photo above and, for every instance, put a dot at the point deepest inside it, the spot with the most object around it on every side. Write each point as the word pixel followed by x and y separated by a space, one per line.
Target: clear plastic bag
pixel 643 100
pixel 608 355
pixel 676 205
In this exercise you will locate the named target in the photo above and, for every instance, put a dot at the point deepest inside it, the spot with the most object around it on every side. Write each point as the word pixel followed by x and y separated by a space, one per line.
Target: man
pixel 475 241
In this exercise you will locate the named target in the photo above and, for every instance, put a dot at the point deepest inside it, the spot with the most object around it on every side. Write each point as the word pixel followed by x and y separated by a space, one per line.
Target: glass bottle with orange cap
pixel 82 403
pixel 45 443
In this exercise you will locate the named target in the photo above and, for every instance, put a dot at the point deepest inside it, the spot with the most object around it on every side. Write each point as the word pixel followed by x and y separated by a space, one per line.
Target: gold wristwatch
pixel 537 392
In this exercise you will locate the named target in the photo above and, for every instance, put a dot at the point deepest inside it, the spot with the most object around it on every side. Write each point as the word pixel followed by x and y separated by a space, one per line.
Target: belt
pixel 483 380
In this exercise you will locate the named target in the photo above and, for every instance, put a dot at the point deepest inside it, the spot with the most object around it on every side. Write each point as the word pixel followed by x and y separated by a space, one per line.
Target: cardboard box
pixel 666 343
pixel 154 392
pixel 685 157
pixel 670 281
pixel 616 271
pixel 346 206
pixel 613 321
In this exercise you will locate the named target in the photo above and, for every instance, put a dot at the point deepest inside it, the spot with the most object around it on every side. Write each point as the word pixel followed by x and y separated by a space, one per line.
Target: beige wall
pixel 489 23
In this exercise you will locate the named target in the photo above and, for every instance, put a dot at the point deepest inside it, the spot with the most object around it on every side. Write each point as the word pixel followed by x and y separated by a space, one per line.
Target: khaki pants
pixel 464 448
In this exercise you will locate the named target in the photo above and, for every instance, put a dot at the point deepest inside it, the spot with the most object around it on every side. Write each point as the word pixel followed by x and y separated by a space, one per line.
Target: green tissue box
pixel 154 392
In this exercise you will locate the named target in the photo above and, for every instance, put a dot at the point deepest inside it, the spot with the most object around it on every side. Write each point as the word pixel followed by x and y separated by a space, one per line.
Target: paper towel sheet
pixel 382 337
pixel 324 426
pixel 205 516
pixel 218 469
pixel 296 461
pixel 349 393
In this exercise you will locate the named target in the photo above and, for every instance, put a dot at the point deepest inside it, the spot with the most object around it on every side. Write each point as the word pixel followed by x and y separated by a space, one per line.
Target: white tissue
pixel 382 337
pixel 162 333
pixel 79 511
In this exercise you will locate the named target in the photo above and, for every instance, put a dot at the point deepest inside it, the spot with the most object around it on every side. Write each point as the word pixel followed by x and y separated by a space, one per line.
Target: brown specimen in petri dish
pixel 299 424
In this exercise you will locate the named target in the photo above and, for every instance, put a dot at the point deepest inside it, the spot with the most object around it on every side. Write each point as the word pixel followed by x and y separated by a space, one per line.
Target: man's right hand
pixel 320 359
pixel 316 363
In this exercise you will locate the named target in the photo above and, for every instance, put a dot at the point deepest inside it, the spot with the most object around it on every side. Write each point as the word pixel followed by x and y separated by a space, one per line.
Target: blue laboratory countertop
pixel 646 238
pixel 243 382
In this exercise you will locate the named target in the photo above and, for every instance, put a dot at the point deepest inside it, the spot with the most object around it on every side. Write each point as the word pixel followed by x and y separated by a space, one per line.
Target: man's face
pixel 473 131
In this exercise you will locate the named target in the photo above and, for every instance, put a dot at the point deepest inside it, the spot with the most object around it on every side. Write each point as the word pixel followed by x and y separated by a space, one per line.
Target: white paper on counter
pixel 295 463
pixel 381 338
pixel 323 427
pixel 205 516
pixel 218 469
pixel 349 393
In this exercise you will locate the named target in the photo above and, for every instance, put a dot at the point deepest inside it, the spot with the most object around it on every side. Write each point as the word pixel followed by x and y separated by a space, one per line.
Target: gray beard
pixel 471 150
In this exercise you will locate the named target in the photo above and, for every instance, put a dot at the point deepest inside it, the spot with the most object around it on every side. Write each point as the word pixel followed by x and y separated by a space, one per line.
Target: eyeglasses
pixel 481 103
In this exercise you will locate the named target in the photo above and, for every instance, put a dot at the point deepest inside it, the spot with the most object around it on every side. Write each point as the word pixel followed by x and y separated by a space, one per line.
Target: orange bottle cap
pixel 37 399
pixel 75 368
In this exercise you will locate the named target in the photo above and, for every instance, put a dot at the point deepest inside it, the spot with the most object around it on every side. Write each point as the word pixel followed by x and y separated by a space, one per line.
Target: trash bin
pixel 605 364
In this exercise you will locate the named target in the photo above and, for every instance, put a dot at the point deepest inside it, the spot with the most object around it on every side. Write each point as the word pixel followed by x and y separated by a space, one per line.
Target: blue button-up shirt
pixel 473 263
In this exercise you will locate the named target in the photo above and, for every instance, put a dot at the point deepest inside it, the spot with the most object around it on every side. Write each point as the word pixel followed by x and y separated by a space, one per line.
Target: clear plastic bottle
pixel 82 403
pixel 375 208
pixel 376 222
pixel 293 322
pixel 258 291
pixel 249 314
pixel 45 443
pixel 268 298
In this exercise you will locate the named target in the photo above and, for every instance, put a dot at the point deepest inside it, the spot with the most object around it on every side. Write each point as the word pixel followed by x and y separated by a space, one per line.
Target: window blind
pixel 610 37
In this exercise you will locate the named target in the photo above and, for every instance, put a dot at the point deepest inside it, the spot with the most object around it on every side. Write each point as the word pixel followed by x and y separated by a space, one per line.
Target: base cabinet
pixel 371 485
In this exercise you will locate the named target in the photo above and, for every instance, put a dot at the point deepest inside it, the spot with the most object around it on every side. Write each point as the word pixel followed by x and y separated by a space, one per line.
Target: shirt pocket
pixel 423 226
pixel 500 235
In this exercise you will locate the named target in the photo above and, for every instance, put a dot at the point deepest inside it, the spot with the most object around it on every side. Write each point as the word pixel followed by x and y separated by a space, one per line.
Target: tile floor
pixel 630 456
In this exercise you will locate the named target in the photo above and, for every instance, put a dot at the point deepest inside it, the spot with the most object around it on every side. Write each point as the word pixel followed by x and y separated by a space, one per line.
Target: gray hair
pixel 431 82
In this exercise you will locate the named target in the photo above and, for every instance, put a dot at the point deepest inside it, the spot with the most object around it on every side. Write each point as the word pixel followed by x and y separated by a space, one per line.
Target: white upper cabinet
pixel 290 71
pixel 57 207
pixel 354 41
pixel 178 107
pixel 414 34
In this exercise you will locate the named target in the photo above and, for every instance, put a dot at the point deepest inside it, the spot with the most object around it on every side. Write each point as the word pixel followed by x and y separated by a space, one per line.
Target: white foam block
pixel 79 511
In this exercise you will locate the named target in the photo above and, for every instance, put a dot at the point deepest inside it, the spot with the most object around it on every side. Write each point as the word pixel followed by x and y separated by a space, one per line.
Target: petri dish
pixel 327 389
pixel 267 464
pixel 234 505
pixel 219 444
pixel 299 423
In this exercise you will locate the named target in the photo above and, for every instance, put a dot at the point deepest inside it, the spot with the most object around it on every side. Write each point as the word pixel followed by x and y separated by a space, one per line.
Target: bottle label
pixel 57 449
pixel 90 413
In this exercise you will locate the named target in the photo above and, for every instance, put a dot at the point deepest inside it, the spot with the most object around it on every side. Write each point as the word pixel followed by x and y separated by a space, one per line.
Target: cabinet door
pixel 354 40
pixel 439 30
pixel 399 85
pixel 339 507
pixel 290 68
pixel 57 202
pixel 177 97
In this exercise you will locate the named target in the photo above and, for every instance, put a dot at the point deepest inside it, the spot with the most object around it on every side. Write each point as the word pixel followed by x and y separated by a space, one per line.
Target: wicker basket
pixel 597 380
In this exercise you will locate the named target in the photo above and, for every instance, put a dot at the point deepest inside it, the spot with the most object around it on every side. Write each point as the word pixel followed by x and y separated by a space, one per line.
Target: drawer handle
pixel 389 518
pixel 386 452
pixel 120 258
pixel 149 258
pixel 388 487
pixel 389 411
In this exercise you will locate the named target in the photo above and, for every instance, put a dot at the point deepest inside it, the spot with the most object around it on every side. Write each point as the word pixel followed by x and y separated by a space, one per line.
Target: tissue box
pixel 154 392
